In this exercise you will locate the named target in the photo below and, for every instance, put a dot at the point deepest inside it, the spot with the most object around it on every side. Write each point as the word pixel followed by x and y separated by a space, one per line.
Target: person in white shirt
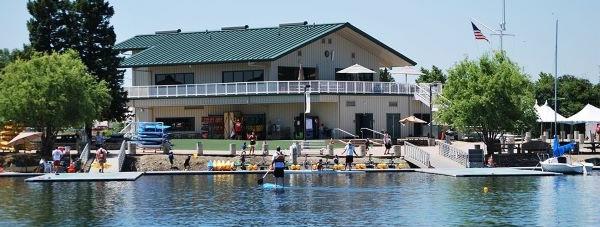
pixel 350 152
pixel 56 156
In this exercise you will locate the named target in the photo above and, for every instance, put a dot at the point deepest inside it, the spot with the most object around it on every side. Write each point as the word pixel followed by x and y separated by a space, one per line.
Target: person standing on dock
pixel 56 157
pixel 387 142
pixel 101 157
pixel 252 139
pixel 171 158
pixel 350 152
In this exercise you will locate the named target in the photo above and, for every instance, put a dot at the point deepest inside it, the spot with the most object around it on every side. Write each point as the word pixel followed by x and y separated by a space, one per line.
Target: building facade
pixel 202 83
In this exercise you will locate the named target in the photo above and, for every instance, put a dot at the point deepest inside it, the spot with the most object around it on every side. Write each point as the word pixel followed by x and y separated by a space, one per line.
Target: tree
pixel 573 93
pixel 7 56
pixel 430 76
pixel 51 92
pixel 490 96
pixel 83 25
pixel 385 75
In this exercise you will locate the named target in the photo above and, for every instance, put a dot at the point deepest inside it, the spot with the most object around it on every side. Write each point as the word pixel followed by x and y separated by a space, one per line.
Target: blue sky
pixel 427 31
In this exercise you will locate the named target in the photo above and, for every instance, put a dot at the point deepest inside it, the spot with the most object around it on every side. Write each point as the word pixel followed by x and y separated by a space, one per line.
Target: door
pixel 364 120
pixel 393 125
pixel 422 129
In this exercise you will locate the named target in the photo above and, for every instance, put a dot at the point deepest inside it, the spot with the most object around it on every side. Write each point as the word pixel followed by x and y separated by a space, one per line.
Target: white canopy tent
pixel 545 113
pixel 589 113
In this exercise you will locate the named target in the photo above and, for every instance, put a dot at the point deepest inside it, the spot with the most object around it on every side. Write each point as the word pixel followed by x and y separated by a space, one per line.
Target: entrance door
pixel 422 129
pixel 364 120
pixel 393 125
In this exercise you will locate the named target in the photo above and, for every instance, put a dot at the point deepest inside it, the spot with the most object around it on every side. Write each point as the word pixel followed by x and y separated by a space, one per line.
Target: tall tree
pixel 490 95
pixel 51 92
pixel 573 93
pixel 385 75
pixel 430 76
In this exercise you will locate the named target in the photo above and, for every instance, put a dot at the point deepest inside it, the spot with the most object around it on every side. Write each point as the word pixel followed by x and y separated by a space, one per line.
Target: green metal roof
pixel 258 44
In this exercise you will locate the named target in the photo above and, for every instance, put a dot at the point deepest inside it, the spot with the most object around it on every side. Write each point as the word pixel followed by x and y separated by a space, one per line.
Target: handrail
pixel 270 87
pixel 85 153
pixel 122 155
pixel 345 132
pixel 417 154
pixel 453 153
pixel 376 132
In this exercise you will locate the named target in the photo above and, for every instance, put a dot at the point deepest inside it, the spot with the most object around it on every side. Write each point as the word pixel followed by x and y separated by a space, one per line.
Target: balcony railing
pixel 269 87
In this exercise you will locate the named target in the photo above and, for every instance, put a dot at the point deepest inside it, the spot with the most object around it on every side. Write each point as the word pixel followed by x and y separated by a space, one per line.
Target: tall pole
pixel 503 25
pixel 430 113
pixel 555 78
pixel 304 114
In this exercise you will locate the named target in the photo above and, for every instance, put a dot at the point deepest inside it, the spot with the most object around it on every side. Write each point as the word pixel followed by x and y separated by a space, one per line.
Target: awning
pixel 356 69
pixel 545 113
pixel 412 119
pixel 589 113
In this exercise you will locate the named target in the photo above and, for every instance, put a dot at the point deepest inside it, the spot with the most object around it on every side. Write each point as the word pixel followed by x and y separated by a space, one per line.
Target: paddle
pixel 261 180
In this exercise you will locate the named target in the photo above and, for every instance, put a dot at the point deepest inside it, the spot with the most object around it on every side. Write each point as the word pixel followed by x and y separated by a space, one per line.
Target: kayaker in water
pixel 278 166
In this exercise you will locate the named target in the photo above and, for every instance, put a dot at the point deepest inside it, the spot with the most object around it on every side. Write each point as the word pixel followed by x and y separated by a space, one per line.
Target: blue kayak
pixel 272 186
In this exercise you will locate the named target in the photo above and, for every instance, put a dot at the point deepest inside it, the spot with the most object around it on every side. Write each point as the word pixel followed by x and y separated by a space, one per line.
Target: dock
pixel 118 176
pixel 485 172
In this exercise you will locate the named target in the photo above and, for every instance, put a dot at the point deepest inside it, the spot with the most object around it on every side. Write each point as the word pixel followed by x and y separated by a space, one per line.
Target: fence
pixel 453 153
pixel 417 154
pixel 122 154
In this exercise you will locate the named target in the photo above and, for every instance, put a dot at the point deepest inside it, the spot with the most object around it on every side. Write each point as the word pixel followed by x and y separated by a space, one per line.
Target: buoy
pixel 485 189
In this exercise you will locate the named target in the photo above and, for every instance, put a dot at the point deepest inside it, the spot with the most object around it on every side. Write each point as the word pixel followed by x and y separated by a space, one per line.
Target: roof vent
pixel 168 32
pixel 293 24
pixel 234 28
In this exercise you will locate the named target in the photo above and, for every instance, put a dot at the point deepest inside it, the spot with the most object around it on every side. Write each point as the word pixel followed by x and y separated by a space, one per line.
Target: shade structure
pixel 406 70
pixel 589 113
pixel 25 137
pixel 545 113
pixel 412 119
pixel 356 69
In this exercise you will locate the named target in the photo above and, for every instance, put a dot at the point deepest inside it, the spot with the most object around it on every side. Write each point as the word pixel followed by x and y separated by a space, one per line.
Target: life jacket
pixel 102 154
pixel 279 161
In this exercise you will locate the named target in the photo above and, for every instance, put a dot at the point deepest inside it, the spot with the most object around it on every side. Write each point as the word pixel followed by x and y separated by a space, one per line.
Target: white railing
pixel 417 154
pixel 453 153
pixel 85 154
pixel 270 87
pixel 337 131
pixel 122 155
pixel 422 92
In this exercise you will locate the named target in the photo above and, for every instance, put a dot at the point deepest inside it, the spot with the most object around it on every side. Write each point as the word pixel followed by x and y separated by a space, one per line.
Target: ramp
pixel 436 160
pixel 111 165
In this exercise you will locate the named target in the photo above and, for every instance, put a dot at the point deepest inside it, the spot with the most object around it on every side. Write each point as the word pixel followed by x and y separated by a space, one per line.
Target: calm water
pixel 360 199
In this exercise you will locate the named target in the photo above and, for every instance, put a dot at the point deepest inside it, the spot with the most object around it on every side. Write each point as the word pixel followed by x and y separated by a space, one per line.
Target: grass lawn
pixel 223 145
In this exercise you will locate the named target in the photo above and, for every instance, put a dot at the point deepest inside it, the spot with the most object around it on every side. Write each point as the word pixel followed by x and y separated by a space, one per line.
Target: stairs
pixel 422 94
pixel 313 144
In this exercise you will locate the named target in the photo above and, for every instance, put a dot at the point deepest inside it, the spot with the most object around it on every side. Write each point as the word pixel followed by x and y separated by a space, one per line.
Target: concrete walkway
pixel 111 165
pixel 437 161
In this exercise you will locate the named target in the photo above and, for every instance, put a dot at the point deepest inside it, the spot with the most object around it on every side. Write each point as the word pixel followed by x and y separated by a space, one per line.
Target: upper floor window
pixel 174 78
pixel 243 76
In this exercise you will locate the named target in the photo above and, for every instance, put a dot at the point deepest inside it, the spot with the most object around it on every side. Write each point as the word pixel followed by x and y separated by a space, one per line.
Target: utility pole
pixel 555 78
pixel 501 32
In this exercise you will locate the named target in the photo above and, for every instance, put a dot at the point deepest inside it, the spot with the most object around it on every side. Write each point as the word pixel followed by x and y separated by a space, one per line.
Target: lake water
pixel 327 199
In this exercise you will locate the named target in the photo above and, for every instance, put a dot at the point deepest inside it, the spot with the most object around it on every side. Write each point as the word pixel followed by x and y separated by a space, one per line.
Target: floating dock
pixel 486 172
pixel 118 176
pixel 13 174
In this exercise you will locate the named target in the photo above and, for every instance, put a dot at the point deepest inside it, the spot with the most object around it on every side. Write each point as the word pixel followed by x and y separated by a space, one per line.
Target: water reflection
pixel 311 199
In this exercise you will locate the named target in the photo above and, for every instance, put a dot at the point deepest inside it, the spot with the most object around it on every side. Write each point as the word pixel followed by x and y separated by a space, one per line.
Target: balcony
pixel 270 88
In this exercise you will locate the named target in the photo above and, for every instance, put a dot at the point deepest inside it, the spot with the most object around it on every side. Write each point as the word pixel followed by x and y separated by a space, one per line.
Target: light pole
pixel 306 87
pixel 435 83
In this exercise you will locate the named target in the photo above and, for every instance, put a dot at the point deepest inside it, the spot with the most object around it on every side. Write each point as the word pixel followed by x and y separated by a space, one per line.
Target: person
pixel 336 160
pixel 350 152
pixel 42 166
pixel 237 128
pixel 367 144
pixel 56 156
pixel 72 168
pixel 320 165
pixel 244 147
pixel 322 132
pixel 99 139
pixel 171 158
pixel 387 142
pixel 186 163
pixel 252 139
pixel 243 160
pixel 278 166
pixel 101 154
pixel 78 165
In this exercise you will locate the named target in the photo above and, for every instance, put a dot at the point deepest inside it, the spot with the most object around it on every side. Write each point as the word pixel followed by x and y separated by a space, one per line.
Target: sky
pixel 430 32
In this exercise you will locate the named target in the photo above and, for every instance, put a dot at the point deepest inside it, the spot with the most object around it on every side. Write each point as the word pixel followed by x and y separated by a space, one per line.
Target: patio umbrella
pixel 412 119
pixel 356 69
pixel 25 137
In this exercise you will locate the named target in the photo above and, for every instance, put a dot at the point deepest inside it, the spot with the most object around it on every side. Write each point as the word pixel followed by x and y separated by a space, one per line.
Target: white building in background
pixel 200 83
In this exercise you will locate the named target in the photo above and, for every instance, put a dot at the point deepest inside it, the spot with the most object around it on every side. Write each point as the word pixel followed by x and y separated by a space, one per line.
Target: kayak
pixel 272 186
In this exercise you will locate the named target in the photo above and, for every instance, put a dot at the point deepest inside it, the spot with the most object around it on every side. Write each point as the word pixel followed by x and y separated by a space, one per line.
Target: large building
pixel 201 83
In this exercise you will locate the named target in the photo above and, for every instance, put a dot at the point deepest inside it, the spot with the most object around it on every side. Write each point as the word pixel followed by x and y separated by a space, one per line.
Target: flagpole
pixel 555 77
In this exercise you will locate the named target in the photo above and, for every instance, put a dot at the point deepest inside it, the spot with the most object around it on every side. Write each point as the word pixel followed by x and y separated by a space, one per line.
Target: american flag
pixel 478 34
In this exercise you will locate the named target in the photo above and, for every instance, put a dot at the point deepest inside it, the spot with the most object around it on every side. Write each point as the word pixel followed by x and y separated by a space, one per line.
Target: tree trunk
pixel 48 139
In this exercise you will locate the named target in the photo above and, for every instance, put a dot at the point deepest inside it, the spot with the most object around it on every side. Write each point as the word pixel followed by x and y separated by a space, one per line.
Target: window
pixel 299 53
pixel 174 78
pixel 291 73
pixel 353 77
pixel 243 76
pixel 178 124
pixel 350 103
pixel 329 41
pixel 393 104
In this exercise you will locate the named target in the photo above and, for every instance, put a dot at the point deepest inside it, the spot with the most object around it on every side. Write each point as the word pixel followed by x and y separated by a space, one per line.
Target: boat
pixel 562 163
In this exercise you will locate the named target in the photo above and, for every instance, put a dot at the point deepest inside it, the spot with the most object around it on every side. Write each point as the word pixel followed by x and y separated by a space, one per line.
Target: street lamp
pixel 306 87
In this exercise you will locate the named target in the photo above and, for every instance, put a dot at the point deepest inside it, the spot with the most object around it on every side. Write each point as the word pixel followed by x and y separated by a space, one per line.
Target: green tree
pixel 83 25
pixel 51 92
pixel 430 76
pixel 490 96
pixel 573 93
pixel 385 75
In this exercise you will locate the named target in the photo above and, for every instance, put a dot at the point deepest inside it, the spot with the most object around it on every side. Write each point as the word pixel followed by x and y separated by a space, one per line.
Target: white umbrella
pixel 406 70
pixel 412 119
pixel 25 137
pixel 356 69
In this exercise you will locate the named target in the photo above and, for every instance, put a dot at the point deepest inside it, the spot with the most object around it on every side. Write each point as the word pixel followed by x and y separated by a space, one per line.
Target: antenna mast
pixel 500 32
